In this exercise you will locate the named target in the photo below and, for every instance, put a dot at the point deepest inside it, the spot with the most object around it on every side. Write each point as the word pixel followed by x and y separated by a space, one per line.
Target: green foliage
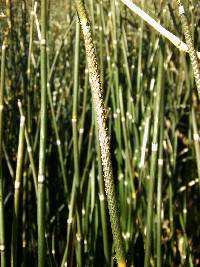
pixel 151 117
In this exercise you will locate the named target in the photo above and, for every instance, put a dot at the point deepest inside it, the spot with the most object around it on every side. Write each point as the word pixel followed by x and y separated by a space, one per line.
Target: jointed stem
pixel 18 180
pixel 2 226
pixel 42 152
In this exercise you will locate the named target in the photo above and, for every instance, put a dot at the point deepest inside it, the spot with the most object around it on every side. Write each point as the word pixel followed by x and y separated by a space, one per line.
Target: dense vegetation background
pixel 150 96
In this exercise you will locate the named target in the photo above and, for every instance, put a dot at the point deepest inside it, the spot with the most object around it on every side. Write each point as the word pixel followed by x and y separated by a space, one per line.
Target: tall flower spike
pixel 189 42
pixel 103 132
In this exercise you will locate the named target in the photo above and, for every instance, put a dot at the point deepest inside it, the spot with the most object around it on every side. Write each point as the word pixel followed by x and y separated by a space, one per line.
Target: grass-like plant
pixel 154 157
pixel 133 145
pixel 160 29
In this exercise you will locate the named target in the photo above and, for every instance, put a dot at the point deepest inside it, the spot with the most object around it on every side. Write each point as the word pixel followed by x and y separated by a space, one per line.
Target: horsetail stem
pixel 42 149
pixel 75 140
pixel 2 85
pixel 76 181
pixel 159 182
pixel 196 141
pixel 17 186
pixel 29 150
pixel 77 224
pixel 97 95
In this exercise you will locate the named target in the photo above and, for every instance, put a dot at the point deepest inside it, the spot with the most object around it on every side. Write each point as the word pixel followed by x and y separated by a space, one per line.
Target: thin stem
pixel 42 149
pixel 29 150
pixel 196 141
pixel 159 184
pixel 76 179
pixel 18 179
pixel 75 140
pixel 2 226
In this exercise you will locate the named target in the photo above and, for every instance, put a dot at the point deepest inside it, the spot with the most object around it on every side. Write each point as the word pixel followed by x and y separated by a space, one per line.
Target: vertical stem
pixel 29 150
pixel 2 226
pixel 196 139
pixel 20 156
pixel 58 141
pixel 159 184
pixel 42 149
pixel 75 99
pixel 76 179
pixel 75 138
pixel 83 113
pixel 29 66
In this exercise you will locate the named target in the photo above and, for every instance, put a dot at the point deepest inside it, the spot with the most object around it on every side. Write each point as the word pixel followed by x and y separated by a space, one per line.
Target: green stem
pixel 153 162
pixel 159 184
pixel 42 149
pixel 2 226
pixel 76 179
pixel 196 141
pixel 75 140
pixel 15 225
pixel 29 150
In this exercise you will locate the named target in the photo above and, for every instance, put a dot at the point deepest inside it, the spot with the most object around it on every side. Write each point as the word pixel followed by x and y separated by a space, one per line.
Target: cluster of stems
pixel 66 211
